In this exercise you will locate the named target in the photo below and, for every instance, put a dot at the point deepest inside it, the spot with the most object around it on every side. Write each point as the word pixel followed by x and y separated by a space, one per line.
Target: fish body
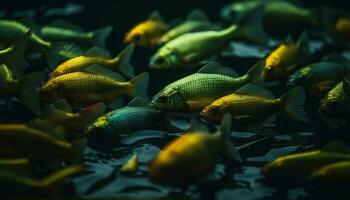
pixel 120 63
pixel 147 33
pixel 111 126
pixel 285 59
pixel 195 22
pixel 192 156
pixel 193 92
pixel 342 28
pixel 190 49
pixel 335 174
pixel 18 141
pixel 318 78
pixel 80 88
pixel 336 102
pixel 301 165
pixel 252 105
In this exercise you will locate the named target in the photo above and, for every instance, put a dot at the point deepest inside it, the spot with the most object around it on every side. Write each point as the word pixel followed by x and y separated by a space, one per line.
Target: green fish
pixel 277 14
pixel 137 115
pixel 61 30
pixel 193 92
pixel 192 48
pixel 196 21
pixel 12 30
pixel 318 78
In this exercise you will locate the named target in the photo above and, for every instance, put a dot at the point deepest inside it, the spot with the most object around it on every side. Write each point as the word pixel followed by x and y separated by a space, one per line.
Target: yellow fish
pixel 342 28
pixel 96 56
pixel 285 59
pixel 301 165
pixel 332 174
pixel 22 141
pixel 251 105
pixel 192 155
pixel 84 89
pixel 146 34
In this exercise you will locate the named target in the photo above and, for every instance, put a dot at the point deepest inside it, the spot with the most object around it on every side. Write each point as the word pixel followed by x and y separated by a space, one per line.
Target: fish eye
pixel 268 68
pixel 160 60
pixel 162 98
pixel 215 109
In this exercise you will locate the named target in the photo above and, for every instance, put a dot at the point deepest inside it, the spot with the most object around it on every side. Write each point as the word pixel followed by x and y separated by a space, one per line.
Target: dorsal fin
pixel 255 90
pixel 156 16
pixel 333 57
pixel 289 39
pixel 215 68
pixel 138 102
pixel 97 69
pixel 61 23
pixel 303 38
pixel 95 51
pixel 63 105
pixel 197 15
pixel 197 125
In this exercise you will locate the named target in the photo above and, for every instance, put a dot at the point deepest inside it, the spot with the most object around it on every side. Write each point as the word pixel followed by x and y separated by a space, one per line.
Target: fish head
pixel 169 100
pixel 300 77
pixel 212 113
pixel 276 168
pixel 165 58
pixel 144 34
pixel 330 106
pixel 50 92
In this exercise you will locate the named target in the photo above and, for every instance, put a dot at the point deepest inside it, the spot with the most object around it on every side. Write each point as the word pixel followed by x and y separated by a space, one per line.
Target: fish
pixel 191 49
pixel 342 28
pixel 96 56
pixel 336 103
pixel 300 166
pixel 317 78
pixel 193 155
pixel 252 105
pixel 279 15
pixel 196 21
pixel 84 88
pixel 147 33
pixel 12 80
pixel 285 59
pixel 12 30
pixel 48 186
pixel 22 141
pixel 193 92
pixel 335 174
pixel 130 167
pixel 59 120
pixel 63 31
pixel 110 127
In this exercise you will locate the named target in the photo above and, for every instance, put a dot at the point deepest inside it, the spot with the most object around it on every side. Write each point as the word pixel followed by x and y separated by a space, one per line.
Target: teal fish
pixel 192 93
pixel 137 115
pixel 190 49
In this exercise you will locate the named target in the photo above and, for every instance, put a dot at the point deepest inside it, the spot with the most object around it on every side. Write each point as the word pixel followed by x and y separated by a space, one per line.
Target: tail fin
pixel 140 85
pixel 53 54
pixel 251 26
pixel 14 57
pixel 28 92
pixel 304 46
pixel 292 104
pixel 101 36
pixel 230 149
pixel 124 61
pixel 89 114
pixel 254 73
pixel 50 183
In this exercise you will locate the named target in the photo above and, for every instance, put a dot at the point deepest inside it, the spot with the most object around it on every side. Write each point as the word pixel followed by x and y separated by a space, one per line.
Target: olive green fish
pixel 84 88
pixel 192 93
pixel 96 56
pixel 252 105
pixel 61 30
pixel 190 49
pixel 196 22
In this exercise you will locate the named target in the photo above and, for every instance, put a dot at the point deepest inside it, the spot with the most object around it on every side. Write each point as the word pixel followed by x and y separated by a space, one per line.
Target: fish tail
pixel 101 36
pixel 28 93
pixel 89 114
pixel 250 26
pixel 304 46
pixel 254 73
pixel 230 149
pixel 15 59
pixel 123 61
pixel 53 54
pixel 140 85
pixel 293 104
